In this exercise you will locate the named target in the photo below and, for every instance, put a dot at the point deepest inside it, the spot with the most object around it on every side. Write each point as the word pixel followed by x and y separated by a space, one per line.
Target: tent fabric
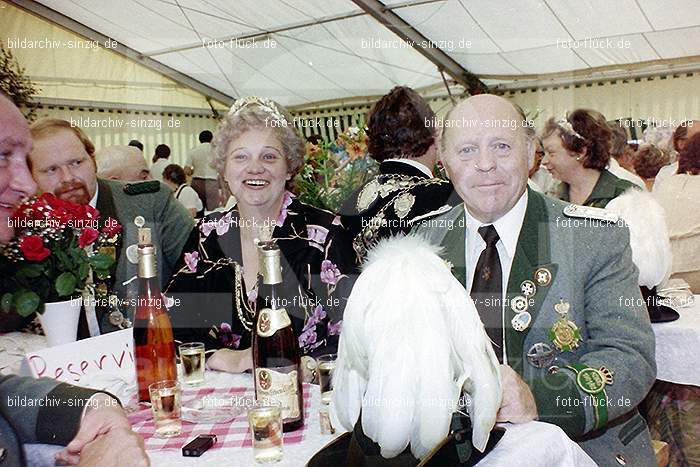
pixel 69 67
pixel 317 59
pixel 109 127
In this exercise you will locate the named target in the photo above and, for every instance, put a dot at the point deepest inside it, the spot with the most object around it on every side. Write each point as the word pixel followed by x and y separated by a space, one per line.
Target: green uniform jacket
pixel 23 420
pixel 170 225
pixel 607 188
pixel 590 267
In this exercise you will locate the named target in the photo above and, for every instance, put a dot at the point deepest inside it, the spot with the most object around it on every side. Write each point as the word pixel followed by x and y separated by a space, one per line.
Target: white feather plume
pixel 411 336
pixel 651 248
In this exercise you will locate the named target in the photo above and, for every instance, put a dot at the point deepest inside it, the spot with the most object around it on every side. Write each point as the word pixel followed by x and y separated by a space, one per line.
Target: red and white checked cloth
pixel 232 434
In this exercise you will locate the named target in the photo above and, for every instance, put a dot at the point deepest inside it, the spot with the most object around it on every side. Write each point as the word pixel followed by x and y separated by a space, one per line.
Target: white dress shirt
pixel 201 158
pixel 508 228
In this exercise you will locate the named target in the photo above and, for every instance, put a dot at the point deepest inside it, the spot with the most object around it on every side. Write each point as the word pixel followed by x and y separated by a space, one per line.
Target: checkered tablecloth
pixel 234 434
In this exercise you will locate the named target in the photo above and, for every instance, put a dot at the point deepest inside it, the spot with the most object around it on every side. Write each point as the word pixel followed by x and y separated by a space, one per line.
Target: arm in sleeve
pixel 620 338
pixel 43 410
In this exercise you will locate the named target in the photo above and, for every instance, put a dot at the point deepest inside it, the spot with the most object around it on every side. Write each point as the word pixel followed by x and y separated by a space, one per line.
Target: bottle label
pixel 278 387
pixel 271 321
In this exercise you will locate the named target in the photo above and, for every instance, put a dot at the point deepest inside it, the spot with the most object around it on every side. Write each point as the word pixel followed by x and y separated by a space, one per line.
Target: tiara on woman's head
pixel 266 105
pixel 568 128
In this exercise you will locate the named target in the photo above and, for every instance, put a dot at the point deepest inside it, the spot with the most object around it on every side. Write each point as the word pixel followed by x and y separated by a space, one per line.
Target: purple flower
pixel 329 272
pixel 334 329
pixel 286 201
pixel 168 301
pixel 319 314
pixel 227 337
pixel 207 227
pixel 308 337
pixel 317 234
pixel 223 224
pixel 191 260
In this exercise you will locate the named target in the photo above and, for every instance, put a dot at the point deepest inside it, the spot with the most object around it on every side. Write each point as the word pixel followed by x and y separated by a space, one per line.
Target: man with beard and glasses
pixel 63 163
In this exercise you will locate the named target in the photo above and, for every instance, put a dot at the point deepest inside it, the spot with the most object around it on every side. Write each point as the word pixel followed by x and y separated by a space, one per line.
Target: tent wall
pixel 179 131
pixel 67 66
pixel 664 100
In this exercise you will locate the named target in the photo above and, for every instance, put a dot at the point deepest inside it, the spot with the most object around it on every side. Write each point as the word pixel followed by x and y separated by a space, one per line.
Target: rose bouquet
pixel 50 259
pixel 333 171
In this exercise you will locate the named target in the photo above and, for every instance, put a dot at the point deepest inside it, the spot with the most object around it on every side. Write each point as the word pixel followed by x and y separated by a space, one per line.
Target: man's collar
pixel 415 164
pixel 508 226
pixel 93 201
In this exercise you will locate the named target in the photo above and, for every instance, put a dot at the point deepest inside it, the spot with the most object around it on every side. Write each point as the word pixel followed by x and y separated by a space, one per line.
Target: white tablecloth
pixel 677 346
pixel 531 444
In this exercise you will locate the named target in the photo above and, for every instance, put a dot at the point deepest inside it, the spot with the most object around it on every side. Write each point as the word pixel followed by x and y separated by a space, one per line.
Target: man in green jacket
pixel 554 284
pixel 62 162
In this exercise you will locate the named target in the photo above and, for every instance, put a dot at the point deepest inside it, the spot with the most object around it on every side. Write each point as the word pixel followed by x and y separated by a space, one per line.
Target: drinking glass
pixel 192 360
pixel 165 405
pixel 266 429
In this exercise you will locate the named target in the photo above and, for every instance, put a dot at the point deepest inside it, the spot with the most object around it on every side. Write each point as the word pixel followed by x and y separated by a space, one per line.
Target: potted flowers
pixel 47 266
pixel 333 171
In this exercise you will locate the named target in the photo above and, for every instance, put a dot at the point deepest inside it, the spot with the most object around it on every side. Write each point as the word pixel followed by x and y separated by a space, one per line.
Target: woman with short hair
pixel 577 152
pixel 258 153
pixel 174 176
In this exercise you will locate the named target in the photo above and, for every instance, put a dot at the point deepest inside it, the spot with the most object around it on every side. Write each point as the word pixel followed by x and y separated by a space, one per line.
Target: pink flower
pixel 329 272
pixel 168 301
pixel 308 337
pixel 87 237
pixel 319 314
pixel 334 329
pixel 207 227
pixel 286 201
pixel 228 338
pixel 191 260
pixel 317 234
pixel 223 225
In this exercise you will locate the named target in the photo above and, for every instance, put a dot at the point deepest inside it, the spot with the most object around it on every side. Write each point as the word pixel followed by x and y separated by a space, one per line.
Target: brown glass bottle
pixel 154 346
pixel 276 360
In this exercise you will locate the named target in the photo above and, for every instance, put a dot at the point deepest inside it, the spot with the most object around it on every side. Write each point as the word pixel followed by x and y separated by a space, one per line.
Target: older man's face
pixel 15 180
pixel 487 156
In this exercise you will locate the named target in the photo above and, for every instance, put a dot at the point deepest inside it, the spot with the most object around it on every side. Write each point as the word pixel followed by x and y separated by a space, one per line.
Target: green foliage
pixel 15 83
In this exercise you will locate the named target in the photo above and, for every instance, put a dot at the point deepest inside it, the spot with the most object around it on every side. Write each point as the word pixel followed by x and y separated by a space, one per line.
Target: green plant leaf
pixel 30 271
pixel 101 262
pixel 26 303
pixel 6 302
pixel 83 270
pixel 65 284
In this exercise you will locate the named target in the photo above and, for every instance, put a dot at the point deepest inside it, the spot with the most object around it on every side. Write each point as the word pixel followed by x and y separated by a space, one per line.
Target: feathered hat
pixel 412 342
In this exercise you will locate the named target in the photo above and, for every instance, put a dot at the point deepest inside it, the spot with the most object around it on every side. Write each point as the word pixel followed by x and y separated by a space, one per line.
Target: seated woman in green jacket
pixel 577 152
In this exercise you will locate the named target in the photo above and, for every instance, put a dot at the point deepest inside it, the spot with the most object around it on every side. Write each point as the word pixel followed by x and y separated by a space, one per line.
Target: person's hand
pixel 104 438
pixel 518 404
pixel 231 361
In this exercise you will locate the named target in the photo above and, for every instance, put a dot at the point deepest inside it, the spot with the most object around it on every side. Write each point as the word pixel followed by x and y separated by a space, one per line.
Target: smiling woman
pixel 258 152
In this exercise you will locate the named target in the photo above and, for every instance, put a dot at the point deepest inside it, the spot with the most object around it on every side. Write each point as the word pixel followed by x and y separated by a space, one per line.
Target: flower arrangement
pixel 332 171
pixel 49 260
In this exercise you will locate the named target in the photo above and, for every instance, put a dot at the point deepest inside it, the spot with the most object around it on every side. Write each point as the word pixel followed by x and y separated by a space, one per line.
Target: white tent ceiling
pixel 332 49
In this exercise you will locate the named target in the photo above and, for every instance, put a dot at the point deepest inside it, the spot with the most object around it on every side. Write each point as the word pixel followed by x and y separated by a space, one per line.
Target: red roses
pixel 32 247
pixel 87 236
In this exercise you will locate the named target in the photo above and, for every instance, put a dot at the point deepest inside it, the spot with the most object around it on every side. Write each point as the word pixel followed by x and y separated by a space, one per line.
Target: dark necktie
pixel 487 289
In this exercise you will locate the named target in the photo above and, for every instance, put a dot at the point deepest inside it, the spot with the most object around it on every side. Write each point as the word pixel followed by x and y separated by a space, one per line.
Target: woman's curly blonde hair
pixel 254 116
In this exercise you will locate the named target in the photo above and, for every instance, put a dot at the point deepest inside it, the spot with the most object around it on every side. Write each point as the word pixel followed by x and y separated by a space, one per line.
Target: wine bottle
pixel 154 346
pixel 276 360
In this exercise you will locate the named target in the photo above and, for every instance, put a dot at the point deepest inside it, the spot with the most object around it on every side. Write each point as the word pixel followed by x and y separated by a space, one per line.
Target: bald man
pixel 554 285
pixel 120 162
